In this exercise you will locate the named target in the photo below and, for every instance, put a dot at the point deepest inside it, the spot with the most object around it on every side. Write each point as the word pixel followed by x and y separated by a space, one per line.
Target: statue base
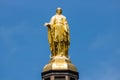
pixel 60 68
pixel 59 63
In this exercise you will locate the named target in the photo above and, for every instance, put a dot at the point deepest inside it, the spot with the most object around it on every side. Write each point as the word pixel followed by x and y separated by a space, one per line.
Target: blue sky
pixel 94 29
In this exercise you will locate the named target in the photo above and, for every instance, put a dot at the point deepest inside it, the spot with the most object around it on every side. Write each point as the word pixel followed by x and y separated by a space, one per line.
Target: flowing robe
pixel 58 36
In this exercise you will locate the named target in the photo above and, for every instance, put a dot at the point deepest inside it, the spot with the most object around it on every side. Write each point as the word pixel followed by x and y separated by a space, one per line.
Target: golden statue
pixel 59 41
pixel 58 34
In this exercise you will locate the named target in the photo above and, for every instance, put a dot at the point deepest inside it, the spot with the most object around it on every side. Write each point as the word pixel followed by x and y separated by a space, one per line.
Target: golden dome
pixel 60 63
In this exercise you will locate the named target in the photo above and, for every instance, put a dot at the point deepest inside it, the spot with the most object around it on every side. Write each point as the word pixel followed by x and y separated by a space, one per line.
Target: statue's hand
pixel 47 24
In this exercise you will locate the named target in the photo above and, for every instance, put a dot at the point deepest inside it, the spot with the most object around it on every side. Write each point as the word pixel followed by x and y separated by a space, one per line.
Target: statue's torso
pixel 59 26
pixel 59 20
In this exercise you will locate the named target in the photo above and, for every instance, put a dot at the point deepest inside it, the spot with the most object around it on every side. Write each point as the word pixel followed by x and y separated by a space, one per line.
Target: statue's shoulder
pixel 53 17
pixel 63 17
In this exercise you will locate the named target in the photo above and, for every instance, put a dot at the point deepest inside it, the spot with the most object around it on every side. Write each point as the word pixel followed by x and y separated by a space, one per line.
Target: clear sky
pixel 94 29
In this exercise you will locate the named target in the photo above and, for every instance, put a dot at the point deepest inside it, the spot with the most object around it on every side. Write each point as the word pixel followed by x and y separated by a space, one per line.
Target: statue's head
pixel 59 11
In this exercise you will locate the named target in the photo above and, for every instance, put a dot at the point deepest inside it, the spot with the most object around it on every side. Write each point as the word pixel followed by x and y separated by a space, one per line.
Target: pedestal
pixel 60 68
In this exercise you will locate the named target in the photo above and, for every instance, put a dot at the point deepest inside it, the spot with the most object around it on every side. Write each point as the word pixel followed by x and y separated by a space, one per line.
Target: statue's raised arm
pixel 58 34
